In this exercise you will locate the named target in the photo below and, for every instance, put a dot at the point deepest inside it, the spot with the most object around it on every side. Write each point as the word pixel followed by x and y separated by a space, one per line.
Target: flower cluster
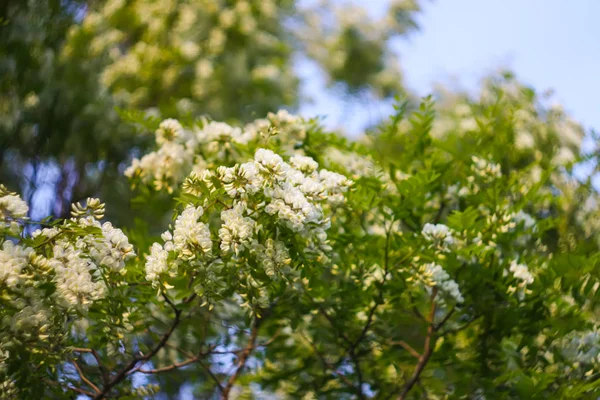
pixel 260 201
pixel 521 273
pixel 434 275
pixel 170 164
pixel 54 276
pixel 439 235
pixel 12 208
pixel 485 170
pixel 273 255
pixel 191 237
pixel 181 151
pixel 237 230
pixel 13 261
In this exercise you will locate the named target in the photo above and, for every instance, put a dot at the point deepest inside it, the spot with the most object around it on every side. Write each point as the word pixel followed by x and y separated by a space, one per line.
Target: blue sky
pixel 549 44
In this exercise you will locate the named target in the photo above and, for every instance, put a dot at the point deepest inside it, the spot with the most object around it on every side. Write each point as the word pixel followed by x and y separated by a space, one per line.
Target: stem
pixel 83 378
pixel 243 359
pixel 427 350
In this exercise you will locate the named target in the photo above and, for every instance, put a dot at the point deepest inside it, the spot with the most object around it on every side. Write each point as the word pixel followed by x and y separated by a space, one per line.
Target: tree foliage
pixel 449 252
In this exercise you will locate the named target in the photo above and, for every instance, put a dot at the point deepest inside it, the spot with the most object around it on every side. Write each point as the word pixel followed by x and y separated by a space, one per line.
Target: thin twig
pixel 427 351
pixel 73 388
pixel 170 367
pixel 98 361
pixel 243 359
pixel 212 375
pixel 406 347
pixel 83 378
pixel 445 319
pixel 327 365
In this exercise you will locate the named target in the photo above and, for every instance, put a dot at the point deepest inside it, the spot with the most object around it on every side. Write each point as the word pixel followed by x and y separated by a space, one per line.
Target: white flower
pixel 305 164
pixel 486 170
pixel 240 180
pixel 164 168
pixel 111 249
pixel 170 130
pixel 190 236
pixel 521 272
pixel 156 262
pixel 114 249
pixel 291 205
pixel 12 206
pixel 434 275
pixel 237 230
pixel 13 259
pixel 440 235
pixel 46 232
pixel 218 132
pixel 271 164
pixel 334 182
pixel 74 276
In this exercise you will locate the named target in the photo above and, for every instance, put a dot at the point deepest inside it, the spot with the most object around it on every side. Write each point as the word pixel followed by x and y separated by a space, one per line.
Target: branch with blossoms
pixel 356 271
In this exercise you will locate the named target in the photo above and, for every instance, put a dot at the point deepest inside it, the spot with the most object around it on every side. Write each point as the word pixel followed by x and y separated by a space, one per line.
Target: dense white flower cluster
pixel 190 236
pixel 170 130
pixel 163 168
pixel 55 275
pixel 237 230
pixel 439 235
pixel 156 262
pixel 304 164
pixel 434 275
pixel 79 264
pixel 12 208
pixel 182 151
pixel 110 249
pixel 73 275
pixel 521 272
pixel 263 195
pixel 13 260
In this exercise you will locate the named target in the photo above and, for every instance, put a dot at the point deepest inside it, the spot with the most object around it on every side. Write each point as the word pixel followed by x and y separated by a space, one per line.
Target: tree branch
pixel 169 367
pixel 406 347
pixel 427 350
pixel 98 361
pixel 73 388
pixel 243 359
pixel 327 365
pixel 83 378
pixel 145 357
